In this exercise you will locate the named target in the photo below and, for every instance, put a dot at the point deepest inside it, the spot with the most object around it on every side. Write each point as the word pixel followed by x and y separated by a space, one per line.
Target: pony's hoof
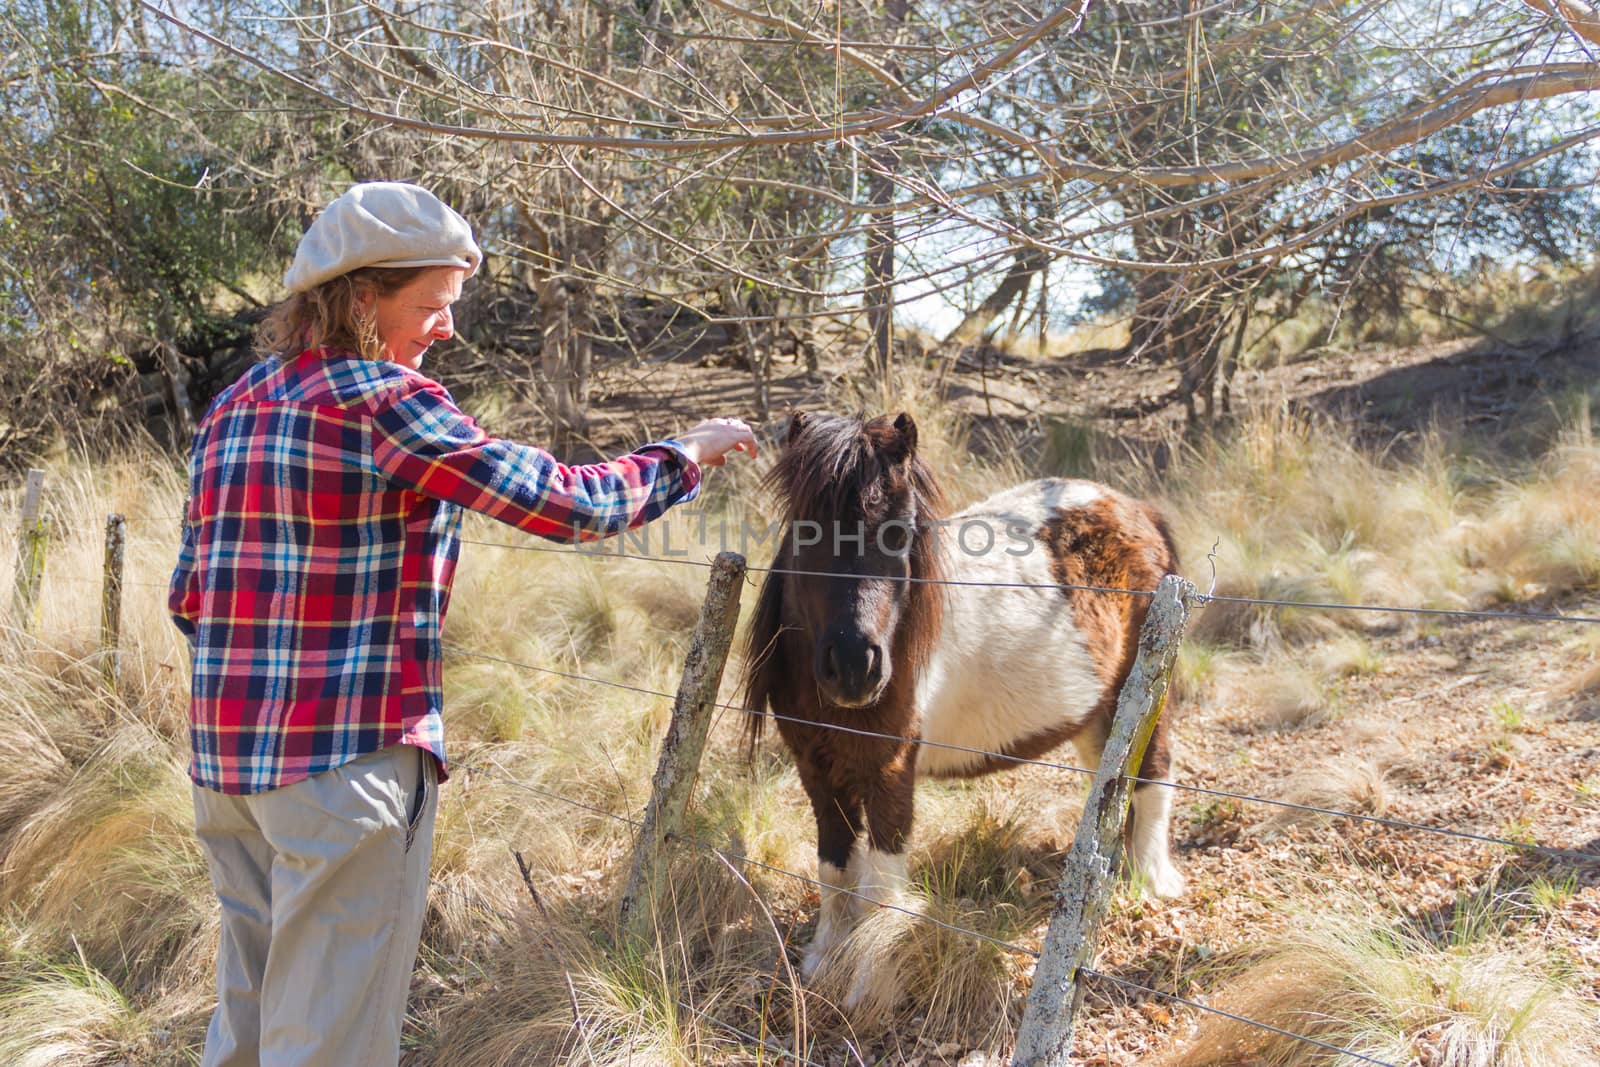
pixel 874 991
pixel 1164 881
pixel 811 962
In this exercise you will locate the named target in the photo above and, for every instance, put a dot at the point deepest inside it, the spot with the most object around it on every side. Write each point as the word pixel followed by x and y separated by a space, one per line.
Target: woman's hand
pixel 709 443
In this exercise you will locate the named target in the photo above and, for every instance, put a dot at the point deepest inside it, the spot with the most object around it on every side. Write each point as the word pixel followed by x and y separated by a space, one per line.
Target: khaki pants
pixel 323 886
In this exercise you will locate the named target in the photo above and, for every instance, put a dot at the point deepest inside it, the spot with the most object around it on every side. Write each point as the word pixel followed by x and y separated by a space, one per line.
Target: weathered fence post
pixel 111 601
pixel 30 553
pixel 673 785
pixel 1045 1037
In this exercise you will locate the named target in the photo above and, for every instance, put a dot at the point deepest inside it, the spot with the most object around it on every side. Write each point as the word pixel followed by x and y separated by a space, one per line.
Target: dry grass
pixel 108 919
pixel 1298 513
pixel 1351 784
pixel 66 1015
pixel 1276 692
pixel 1377 989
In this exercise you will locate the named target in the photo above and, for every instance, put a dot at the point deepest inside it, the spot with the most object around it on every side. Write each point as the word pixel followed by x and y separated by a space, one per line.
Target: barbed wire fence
pixel 1066 954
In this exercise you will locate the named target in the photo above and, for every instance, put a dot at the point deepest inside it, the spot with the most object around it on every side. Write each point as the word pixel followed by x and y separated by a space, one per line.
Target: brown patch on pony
pixel 1113 542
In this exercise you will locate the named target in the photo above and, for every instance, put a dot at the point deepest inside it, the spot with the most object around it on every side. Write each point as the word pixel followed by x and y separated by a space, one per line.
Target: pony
pixel 873 618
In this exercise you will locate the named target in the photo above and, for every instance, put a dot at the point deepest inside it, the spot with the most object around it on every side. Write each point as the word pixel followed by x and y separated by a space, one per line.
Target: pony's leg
pixel 1152 815
pixel 838 825
pixel 1090 741
pixel 1150 852
pixel 880 871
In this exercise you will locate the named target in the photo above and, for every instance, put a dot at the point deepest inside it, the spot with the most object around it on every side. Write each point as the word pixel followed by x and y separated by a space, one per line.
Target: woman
pixel 326 494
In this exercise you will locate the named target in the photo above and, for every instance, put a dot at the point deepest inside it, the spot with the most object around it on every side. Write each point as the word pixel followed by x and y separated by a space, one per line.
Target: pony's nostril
pixel 874 663
pixel 830 663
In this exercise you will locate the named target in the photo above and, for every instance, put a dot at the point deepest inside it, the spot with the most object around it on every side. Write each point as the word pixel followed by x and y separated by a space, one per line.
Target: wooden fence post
pixel 30 553
pixel 673 785
pixel 111 601
pixel 1044 1038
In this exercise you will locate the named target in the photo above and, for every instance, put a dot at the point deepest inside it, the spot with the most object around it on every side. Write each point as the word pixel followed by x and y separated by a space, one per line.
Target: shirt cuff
pixel 690 469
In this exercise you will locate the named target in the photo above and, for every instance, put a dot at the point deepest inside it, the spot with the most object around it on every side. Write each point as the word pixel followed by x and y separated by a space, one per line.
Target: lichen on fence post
pixel 111 600
pixel 679 763
pixel 31 541
pixel 1044 1038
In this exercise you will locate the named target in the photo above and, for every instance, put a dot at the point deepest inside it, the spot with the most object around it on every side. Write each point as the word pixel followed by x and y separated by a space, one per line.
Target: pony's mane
pixel 832 462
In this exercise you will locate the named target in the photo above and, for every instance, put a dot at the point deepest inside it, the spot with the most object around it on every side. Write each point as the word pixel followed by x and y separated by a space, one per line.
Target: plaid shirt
pixel 319 545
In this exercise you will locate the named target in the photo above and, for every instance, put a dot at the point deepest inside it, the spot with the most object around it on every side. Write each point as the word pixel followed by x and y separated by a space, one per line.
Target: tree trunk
pixel 565 359
pixel 1013 289
pixel 881 235
pixel 880 270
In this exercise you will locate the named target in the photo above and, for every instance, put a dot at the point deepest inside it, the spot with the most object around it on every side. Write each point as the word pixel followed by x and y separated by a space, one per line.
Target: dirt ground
pixel 1459 727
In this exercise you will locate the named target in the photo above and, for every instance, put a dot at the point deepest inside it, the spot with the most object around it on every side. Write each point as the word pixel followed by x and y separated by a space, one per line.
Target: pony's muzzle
pixel 850 670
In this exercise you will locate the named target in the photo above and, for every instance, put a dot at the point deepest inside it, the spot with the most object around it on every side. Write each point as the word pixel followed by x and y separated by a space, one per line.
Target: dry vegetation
pixel 1406 947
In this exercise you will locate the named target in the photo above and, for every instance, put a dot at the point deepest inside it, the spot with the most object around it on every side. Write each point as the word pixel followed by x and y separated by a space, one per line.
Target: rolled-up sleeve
pixel 422 441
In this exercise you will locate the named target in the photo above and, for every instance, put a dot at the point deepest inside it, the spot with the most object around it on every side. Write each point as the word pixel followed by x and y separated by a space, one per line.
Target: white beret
pixel 382 224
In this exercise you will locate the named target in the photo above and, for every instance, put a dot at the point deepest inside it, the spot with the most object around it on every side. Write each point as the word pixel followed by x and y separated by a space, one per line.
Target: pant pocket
pixel 419 797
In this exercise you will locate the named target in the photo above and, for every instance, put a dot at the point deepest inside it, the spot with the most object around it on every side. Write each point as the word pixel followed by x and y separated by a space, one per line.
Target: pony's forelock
pixel 832 459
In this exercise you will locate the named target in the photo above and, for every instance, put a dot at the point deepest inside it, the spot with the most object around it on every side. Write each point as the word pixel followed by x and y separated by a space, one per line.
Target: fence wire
pixel 1577 856
pixel 732 857
pixel 1201 598
pixel 855 730
pixel 503 775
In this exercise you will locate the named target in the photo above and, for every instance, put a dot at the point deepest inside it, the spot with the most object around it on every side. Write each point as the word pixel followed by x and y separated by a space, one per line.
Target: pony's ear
pixel 906 446
pixel 797 422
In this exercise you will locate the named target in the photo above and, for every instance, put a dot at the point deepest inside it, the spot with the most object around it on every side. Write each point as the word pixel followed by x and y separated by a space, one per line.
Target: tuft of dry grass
pixel 559 992
pixel 1348 784
pixel 1297 511
pixel 1387 993
pixel 1278 692
pixel 1542 535
pixel 65 1015
pixel 1579 694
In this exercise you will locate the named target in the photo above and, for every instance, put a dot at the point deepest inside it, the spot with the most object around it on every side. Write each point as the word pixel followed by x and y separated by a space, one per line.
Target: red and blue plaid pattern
pixel 319 547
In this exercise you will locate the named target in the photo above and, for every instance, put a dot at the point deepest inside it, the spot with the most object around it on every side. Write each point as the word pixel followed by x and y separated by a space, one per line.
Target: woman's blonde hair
pixel 331 315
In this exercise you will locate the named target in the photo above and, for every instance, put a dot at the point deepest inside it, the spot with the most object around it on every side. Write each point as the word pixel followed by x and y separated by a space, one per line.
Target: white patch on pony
pixel 833 917
pixel 1151 851
pixel 881 878
pixel 1010 663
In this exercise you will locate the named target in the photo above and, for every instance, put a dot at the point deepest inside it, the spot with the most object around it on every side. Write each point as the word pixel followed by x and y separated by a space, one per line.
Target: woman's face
pixel 413 317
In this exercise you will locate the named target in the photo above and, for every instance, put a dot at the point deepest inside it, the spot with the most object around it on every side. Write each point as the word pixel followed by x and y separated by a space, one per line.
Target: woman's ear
pixel 362 296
